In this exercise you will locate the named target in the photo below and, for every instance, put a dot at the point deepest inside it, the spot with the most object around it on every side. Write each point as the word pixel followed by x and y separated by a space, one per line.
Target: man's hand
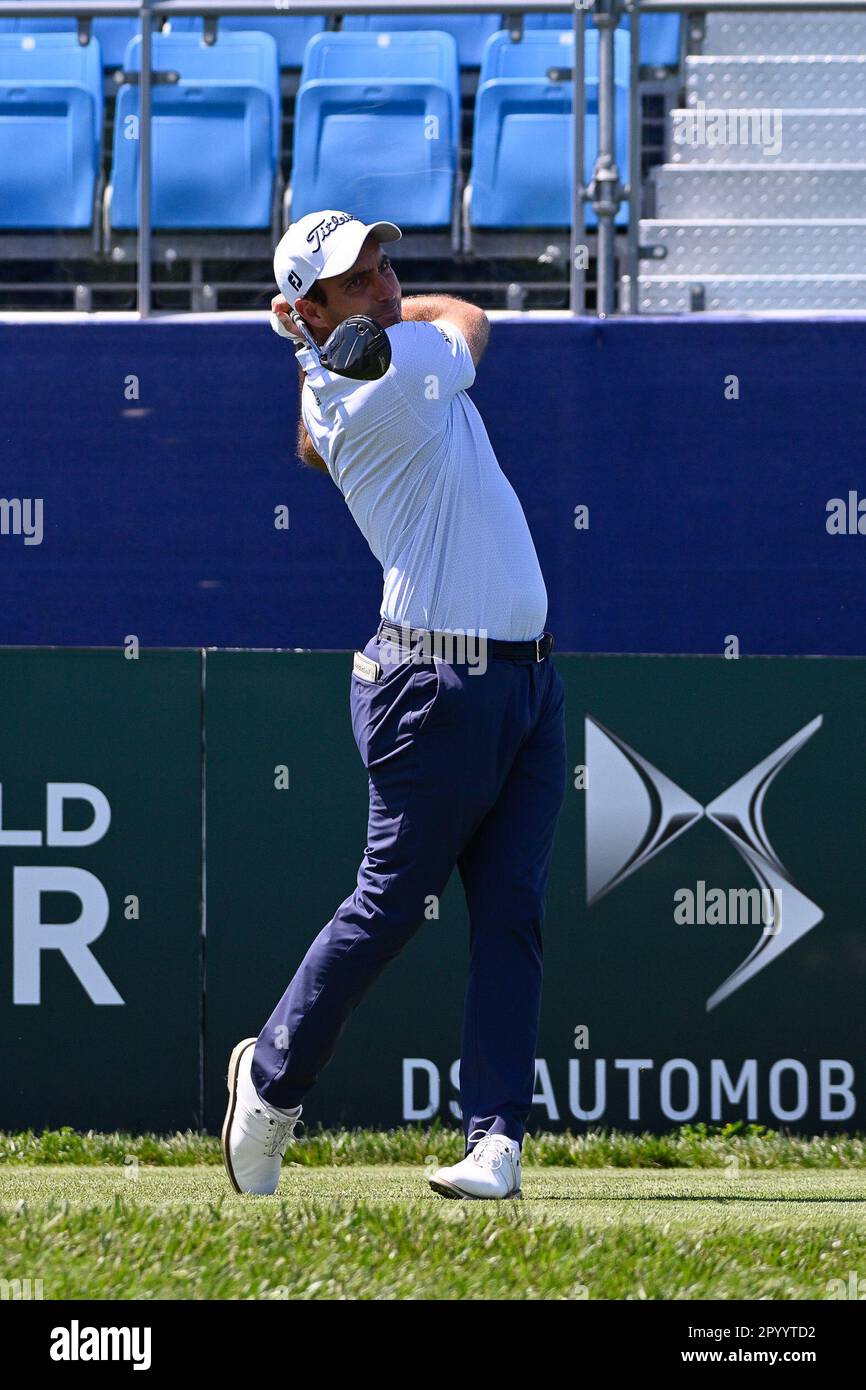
pixel 281 321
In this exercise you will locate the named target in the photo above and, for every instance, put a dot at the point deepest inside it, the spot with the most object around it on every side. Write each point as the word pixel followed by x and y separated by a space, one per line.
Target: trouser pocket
pixel 389 712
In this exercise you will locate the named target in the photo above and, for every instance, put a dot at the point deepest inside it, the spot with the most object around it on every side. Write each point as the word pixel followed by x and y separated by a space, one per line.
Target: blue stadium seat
pixel 470 32
pixel 377 124
pixel 39 25
pixel 50 130
pixel 659 35
pixel 366 55
pixel 386 149
pixel 290 33
pixel 236 57
pixel 522 148
pixel 215 134
pixel 532 55
pixel 113 35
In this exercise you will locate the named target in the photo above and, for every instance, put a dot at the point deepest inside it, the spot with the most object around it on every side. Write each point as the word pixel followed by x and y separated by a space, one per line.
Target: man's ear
pixel 309 311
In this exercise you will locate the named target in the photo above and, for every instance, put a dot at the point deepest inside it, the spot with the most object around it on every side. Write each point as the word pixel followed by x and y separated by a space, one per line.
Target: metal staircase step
pixel 761 205
pixel 781 32
pixel 755 191
pixel 709 247
pixel 794 82
pixel 659 294
pixel 826 136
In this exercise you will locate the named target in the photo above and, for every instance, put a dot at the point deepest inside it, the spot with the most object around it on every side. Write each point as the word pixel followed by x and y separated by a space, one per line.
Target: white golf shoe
pixel 492 1169
pixel 254 1135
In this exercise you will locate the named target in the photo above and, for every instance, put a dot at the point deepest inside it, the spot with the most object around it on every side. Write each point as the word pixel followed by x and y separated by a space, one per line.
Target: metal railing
pixel 606 190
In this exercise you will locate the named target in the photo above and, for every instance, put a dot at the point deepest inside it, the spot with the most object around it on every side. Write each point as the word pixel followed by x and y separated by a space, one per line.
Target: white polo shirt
pixel 412 458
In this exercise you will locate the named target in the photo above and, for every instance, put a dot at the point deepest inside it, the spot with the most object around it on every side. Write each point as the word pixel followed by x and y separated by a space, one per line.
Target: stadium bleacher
pixel 457 127
pixel 351 118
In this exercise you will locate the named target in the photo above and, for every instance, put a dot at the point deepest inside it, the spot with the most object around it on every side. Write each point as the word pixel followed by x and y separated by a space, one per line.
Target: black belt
pixel 536 650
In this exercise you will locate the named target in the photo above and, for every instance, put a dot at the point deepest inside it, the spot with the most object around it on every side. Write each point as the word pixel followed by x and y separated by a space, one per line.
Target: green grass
pixel 690 1146
pixel 361 1230
pixel 723 1212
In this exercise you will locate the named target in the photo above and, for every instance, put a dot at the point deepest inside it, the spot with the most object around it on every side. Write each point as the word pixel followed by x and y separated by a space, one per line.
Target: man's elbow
pixel 478 336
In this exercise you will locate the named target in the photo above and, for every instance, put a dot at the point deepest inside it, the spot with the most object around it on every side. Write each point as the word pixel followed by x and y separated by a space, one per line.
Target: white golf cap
pixel 323 244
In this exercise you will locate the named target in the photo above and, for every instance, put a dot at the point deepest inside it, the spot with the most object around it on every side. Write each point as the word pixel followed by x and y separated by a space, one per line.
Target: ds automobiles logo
pixel 633 811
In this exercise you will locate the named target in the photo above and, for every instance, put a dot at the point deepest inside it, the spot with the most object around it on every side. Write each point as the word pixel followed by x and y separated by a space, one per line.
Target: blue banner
pixel 685 481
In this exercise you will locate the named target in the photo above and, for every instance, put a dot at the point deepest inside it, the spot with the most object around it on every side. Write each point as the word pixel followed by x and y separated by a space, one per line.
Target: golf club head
pixel 358 348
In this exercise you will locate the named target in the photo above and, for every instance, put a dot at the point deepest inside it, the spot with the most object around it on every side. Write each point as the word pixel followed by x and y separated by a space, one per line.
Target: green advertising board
pixel 142 939
pixel 693 781
pixel 100 858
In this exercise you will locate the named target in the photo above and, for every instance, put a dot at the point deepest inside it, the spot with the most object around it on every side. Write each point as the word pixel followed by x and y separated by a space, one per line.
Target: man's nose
pixel 384 288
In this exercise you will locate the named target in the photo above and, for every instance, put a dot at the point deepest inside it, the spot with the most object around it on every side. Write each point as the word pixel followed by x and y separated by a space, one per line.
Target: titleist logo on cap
pixel 323 229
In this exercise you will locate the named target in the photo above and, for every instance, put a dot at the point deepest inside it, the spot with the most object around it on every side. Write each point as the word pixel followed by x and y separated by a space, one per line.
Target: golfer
pixel 457 710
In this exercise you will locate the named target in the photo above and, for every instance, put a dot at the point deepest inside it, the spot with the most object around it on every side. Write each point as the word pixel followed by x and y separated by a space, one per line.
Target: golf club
pixel 358 348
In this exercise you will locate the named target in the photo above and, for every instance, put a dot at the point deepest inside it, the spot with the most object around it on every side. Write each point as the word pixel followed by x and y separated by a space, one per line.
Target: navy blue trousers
pixel 468 769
